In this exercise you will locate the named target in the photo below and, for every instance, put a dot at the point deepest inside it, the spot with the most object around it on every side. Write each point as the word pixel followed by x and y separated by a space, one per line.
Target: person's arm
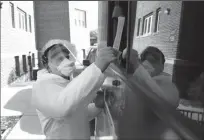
pixel 169 88
pixel 96 107
pixel 56 101
pixel 93 111
pixel 166 91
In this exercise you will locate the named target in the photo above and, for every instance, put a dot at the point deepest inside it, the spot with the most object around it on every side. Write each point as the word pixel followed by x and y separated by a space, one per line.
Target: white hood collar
pixel 43 74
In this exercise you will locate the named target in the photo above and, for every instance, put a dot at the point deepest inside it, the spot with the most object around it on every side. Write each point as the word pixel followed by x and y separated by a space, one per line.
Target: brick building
pixel 17 35
pixel 176 28
pixel 67 20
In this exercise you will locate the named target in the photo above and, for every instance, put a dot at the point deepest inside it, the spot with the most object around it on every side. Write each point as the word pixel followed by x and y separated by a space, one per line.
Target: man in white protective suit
pixel 148 71
pixel 63 102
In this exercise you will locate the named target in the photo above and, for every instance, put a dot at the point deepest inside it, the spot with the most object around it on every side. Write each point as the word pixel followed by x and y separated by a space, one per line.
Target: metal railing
pixel 193 115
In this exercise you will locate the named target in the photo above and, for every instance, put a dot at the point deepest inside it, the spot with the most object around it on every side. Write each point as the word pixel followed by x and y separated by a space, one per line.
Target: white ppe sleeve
pixel 57 101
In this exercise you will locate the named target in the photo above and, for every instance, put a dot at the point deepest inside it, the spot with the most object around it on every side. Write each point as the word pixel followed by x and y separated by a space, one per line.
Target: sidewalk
pixel 15 101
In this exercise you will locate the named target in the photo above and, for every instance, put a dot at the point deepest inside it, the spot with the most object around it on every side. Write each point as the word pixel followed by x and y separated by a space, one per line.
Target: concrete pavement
pixel 15 101
pixel 27 128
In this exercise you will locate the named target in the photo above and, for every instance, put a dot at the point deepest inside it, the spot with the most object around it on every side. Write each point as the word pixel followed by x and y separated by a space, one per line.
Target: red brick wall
pixel 184 54
pixel 168 27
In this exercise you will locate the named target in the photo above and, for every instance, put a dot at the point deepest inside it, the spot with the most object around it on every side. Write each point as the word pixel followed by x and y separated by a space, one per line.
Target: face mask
pixel 66 67
pixel 148 67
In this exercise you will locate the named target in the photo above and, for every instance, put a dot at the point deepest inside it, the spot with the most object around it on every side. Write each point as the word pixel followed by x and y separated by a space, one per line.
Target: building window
pixel 147 24
pixel 158 14
pixel 75 20
pixel 1 5
pixel 22 17
pixel 138 27
pixel 80 18
pixel 12 14
pixel 30 23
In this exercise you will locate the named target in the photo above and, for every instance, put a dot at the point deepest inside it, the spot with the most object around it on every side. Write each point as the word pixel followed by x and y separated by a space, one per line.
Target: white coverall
pixel 64 107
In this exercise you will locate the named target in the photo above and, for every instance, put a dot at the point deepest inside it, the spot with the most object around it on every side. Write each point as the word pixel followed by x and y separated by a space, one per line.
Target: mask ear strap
pixel 48 68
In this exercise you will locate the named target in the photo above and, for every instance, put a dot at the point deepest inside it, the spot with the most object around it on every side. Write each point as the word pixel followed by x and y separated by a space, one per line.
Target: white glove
pixel 106 55
pixel 124 54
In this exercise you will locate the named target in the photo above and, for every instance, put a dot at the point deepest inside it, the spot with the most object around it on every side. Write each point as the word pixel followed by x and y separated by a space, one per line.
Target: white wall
pixel 80 36
pixel 15 41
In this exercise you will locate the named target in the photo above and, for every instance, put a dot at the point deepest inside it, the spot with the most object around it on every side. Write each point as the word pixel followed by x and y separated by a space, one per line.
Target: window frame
pixel 147 24
pixel 75 22
pixel 80 22
pixel 30 23
pixel 12 13
pixel 138 27
pixel 22 17
pixel 157 20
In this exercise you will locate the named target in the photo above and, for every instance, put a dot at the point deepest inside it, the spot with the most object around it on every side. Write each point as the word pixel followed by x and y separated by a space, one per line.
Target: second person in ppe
pixel 63 101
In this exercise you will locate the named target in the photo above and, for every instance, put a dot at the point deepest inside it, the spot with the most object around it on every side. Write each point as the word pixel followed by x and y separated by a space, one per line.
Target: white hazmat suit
pixel 63 106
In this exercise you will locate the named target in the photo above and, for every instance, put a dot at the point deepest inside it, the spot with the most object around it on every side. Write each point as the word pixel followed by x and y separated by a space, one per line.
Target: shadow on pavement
pixel 31 125
pixel 21 102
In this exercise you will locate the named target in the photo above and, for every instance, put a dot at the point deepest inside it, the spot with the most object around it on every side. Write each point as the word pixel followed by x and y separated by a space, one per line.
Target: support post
pixel 17 63
pixel 33 59
pixel 24 63
pixel 30 68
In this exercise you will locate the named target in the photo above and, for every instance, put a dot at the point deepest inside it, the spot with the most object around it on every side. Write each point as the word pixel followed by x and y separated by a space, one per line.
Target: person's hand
pixel 124 54
pixel 134 60
pixel 99 100
pixel 106 55
pixel 133 53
